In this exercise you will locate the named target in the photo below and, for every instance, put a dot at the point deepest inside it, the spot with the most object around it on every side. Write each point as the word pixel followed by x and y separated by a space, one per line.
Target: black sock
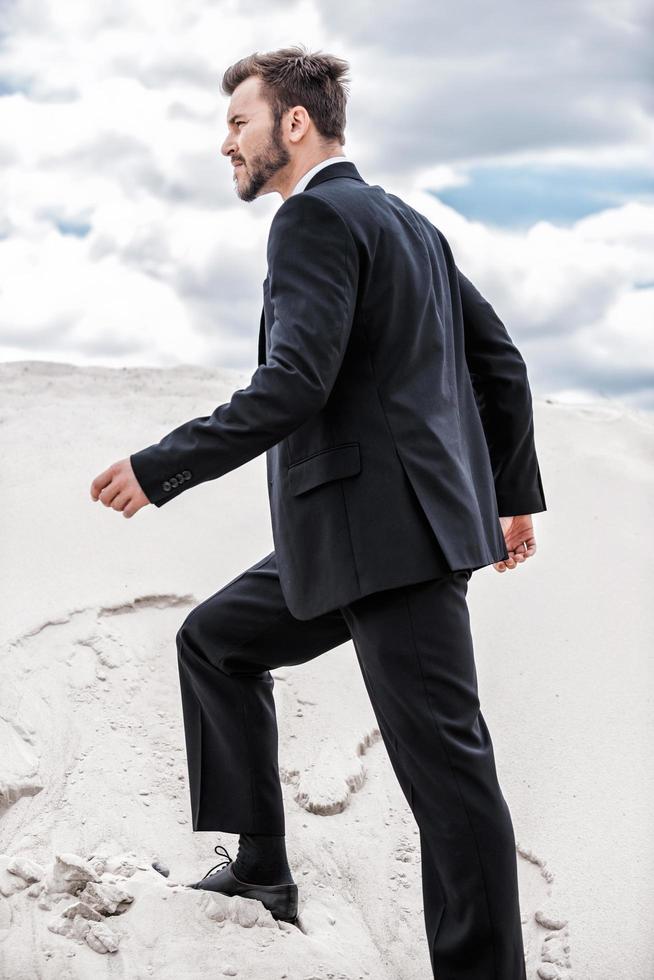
pixel 261 860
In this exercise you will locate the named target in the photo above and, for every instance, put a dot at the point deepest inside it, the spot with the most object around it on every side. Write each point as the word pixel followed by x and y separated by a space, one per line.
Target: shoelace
pixel 221 864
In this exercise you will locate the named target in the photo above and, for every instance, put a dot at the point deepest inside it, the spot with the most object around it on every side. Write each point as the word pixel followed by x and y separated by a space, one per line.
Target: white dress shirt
pixel 303 181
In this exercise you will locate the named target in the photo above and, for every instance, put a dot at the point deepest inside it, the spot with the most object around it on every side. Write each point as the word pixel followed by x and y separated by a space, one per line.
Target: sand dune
pixel 95 834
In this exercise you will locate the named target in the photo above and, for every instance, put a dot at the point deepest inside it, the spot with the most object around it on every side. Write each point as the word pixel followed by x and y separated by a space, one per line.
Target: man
pixel 396 417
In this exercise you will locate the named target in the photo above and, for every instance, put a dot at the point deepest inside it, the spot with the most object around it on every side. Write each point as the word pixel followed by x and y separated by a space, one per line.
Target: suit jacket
pixel 393 407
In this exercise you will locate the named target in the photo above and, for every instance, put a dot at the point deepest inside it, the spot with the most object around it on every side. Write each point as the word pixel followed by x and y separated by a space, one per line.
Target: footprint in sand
pixel 545 931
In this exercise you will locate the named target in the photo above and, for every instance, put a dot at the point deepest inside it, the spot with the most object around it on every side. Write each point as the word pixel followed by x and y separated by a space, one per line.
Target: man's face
pixel 256 149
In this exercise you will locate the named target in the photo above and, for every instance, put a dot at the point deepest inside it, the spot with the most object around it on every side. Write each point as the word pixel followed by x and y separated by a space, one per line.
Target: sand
pixel 93 780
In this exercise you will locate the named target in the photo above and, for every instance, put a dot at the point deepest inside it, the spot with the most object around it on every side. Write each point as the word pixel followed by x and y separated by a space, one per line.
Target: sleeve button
pixel 173 481
pixel 186 474
pixel 166 485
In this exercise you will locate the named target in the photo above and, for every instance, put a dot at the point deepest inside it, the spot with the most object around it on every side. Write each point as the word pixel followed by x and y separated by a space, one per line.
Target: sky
pixel 523 131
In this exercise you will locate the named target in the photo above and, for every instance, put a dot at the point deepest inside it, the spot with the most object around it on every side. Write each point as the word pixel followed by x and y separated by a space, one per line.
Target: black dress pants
pixel 415 652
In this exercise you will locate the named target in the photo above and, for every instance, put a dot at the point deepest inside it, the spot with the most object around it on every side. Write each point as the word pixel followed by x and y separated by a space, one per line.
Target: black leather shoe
pixel 280 900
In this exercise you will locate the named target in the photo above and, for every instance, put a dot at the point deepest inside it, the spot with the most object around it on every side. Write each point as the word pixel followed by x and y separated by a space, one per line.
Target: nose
pixel 228 145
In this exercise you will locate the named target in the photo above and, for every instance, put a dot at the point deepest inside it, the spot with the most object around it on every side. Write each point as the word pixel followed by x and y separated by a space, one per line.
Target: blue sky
pixel 517 196
pixel 524 132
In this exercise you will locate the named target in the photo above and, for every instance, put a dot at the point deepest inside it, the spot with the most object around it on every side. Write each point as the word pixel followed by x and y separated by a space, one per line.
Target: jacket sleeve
pixel 499 379
pixel 313 272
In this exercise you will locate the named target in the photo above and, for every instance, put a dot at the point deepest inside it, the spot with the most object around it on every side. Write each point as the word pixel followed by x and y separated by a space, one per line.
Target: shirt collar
pixel 304 180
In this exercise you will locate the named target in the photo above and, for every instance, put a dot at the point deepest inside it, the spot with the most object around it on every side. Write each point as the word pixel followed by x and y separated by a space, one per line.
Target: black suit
pixel 389 398
pixel 396 416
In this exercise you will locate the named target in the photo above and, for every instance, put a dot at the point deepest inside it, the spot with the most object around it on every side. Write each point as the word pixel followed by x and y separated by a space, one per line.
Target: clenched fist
pixel 118 488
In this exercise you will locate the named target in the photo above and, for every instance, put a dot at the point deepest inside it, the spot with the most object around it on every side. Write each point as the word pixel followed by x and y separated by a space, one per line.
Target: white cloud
pixel 117 121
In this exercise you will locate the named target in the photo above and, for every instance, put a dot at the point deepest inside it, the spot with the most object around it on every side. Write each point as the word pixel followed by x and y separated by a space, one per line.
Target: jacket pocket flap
pixel 328 464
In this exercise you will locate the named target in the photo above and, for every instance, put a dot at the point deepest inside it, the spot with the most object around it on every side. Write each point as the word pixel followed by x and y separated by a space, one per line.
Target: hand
pixel 520 541
pixel 118 488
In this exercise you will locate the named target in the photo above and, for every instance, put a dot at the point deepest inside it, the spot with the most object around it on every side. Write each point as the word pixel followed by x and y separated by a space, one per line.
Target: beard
pixel 260 168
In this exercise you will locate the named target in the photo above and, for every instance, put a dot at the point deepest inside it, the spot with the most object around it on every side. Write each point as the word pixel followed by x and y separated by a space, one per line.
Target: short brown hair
pixel 293 76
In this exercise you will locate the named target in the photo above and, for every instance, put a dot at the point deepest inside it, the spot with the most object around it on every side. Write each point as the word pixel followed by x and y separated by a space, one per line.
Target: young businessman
pixel 396 417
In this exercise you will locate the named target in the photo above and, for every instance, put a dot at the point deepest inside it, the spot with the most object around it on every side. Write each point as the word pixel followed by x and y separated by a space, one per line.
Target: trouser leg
pixel 415 650
pixel 226 647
